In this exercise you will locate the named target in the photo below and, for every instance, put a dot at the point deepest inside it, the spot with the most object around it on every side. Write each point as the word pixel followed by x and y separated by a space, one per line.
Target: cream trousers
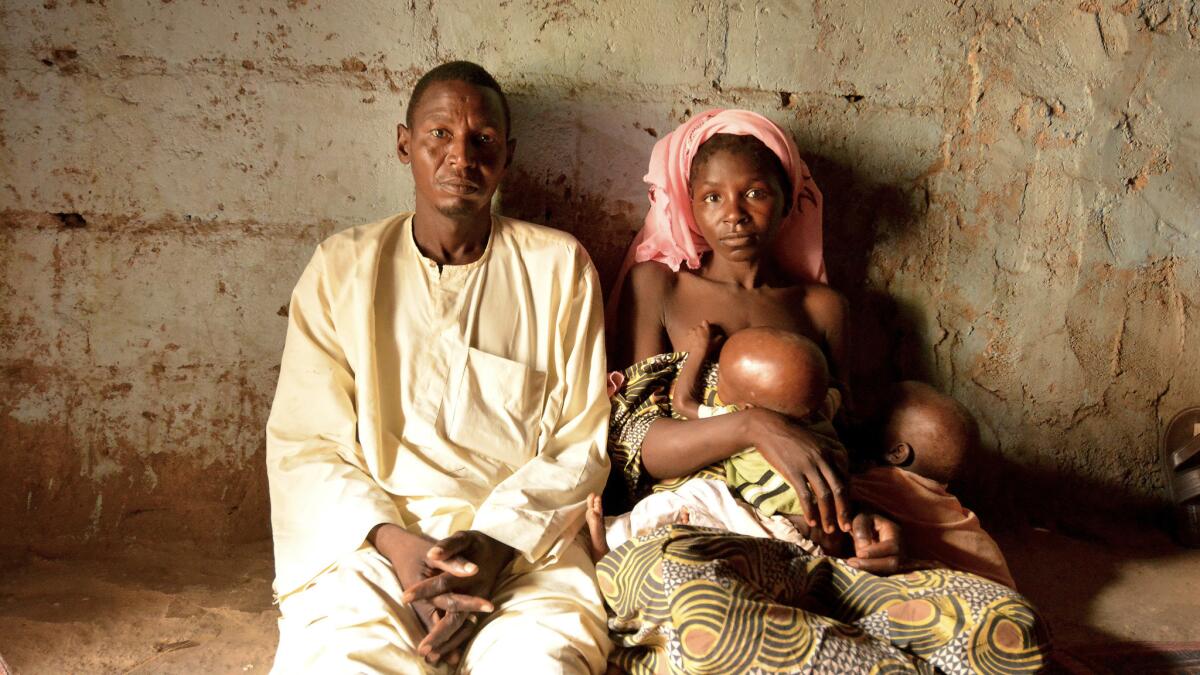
pixel 549 618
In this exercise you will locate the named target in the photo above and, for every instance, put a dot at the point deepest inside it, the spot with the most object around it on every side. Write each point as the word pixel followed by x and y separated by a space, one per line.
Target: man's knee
pixel 549 619
pixel 562 641
pixel 349 619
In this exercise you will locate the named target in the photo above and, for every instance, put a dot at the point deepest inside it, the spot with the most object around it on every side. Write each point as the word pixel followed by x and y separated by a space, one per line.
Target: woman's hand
pixel 809 467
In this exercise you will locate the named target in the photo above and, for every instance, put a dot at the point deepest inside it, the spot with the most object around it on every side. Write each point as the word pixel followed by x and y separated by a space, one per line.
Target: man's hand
pixel 877 544
pixel 409 555
pixel 406 551
pixel 465 567
pixel 809 467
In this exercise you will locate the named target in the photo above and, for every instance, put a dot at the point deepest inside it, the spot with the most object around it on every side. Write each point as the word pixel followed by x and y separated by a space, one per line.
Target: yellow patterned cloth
pixel 693 600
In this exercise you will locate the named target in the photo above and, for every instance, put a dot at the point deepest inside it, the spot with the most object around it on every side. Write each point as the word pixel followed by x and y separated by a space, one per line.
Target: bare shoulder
pixel 651 279
pixel 824 305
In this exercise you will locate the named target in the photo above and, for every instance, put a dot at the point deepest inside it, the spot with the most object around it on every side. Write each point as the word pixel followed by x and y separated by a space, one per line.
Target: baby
pixel 924 438
pixel 921 430
pixel 768 368
pixel 926 432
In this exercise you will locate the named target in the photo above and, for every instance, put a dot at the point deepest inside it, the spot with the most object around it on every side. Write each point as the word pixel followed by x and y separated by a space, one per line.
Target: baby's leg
pixel 595 522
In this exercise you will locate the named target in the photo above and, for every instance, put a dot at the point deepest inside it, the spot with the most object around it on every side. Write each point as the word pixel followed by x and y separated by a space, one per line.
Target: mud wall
pixel 1011 207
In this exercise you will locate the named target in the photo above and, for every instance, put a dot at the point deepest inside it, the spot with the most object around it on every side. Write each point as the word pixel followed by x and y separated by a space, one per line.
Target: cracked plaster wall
pixel 1011 206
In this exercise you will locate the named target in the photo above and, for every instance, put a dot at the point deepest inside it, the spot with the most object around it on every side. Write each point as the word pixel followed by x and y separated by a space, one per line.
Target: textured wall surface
pixel 1012 194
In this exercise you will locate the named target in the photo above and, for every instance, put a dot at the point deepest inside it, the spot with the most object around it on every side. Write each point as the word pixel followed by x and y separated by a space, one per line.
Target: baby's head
pixel 773 369
pixel 927 432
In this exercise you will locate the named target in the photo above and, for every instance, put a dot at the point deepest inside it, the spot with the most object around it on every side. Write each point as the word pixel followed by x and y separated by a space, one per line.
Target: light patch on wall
pixel 95 517
pixel 30 410
pixel 103 467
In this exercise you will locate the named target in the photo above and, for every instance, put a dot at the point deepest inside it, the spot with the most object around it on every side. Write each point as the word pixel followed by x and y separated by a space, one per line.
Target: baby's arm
pixel 697 343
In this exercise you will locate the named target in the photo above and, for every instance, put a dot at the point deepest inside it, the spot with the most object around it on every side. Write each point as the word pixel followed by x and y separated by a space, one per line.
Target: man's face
pixel 457 147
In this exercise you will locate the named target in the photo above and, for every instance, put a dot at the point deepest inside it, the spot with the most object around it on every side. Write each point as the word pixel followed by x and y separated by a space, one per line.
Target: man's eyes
pixel 481 139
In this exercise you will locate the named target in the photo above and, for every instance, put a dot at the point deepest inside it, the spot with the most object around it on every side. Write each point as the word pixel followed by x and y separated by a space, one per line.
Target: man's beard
pixel 457 209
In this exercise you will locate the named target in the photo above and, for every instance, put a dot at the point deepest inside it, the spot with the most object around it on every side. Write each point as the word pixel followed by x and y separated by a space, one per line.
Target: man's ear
pixel 512 148
pixel 403 138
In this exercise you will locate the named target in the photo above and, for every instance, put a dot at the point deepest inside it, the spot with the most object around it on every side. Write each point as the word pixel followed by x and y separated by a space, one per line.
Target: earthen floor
pixel 174 610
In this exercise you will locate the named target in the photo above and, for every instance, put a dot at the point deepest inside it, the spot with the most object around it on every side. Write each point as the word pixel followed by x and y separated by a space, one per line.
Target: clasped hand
pixel 447 583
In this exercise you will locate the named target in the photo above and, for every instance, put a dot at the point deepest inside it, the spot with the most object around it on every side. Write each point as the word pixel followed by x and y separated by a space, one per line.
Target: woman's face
pixel 737 205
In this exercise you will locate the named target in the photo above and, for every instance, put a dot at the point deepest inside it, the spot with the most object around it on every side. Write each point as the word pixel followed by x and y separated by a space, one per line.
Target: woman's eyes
pixel 752 193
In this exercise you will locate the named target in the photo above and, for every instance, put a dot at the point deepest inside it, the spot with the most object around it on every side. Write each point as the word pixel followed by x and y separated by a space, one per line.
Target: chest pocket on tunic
pixel 495 407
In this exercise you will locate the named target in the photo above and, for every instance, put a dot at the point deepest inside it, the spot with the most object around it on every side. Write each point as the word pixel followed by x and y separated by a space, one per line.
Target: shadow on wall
pixel 547 183
pixel 888 345
pixel 861 216
pixel 1106 526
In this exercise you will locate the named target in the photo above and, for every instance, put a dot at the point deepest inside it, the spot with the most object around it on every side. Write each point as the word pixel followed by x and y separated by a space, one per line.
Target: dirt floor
pixel 156 610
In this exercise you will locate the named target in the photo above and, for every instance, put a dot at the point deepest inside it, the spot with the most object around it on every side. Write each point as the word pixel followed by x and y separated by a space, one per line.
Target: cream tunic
pixel 470 397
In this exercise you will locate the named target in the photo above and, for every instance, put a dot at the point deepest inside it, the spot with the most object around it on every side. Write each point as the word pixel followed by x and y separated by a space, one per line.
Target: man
pixel 439 421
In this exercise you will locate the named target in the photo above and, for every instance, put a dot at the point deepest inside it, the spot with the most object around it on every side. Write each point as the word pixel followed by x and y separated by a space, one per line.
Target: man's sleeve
pixel 324 500
pixel 544 500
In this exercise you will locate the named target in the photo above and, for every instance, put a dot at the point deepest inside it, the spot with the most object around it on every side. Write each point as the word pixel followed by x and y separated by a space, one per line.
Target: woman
pixel 731 198
pixel 749 195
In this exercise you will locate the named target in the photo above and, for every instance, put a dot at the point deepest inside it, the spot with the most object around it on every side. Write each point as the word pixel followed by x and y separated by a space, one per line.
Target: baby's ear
pixel 900 454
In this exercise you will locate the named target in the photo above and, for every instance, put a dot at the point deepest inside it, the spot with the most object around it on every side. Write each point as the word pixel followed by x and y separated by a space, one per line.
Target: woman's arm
pixel 641 331
pixel 674 448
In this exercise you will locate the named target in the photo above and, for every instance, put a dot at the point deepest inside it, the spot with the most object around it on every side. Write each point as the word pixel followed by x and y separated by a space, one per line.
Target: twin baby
pixel 922 431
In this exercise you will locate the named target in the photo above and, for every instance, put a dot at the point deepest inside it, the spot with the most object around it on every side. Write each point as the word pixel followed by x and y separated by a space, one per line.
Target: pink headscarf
pixel 670 235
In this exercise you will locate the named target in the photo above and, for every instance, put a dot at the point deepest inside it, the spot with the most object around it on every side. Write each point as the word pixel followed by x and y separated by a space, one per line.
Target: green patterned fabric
pixel 643 399
pixel 752 479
